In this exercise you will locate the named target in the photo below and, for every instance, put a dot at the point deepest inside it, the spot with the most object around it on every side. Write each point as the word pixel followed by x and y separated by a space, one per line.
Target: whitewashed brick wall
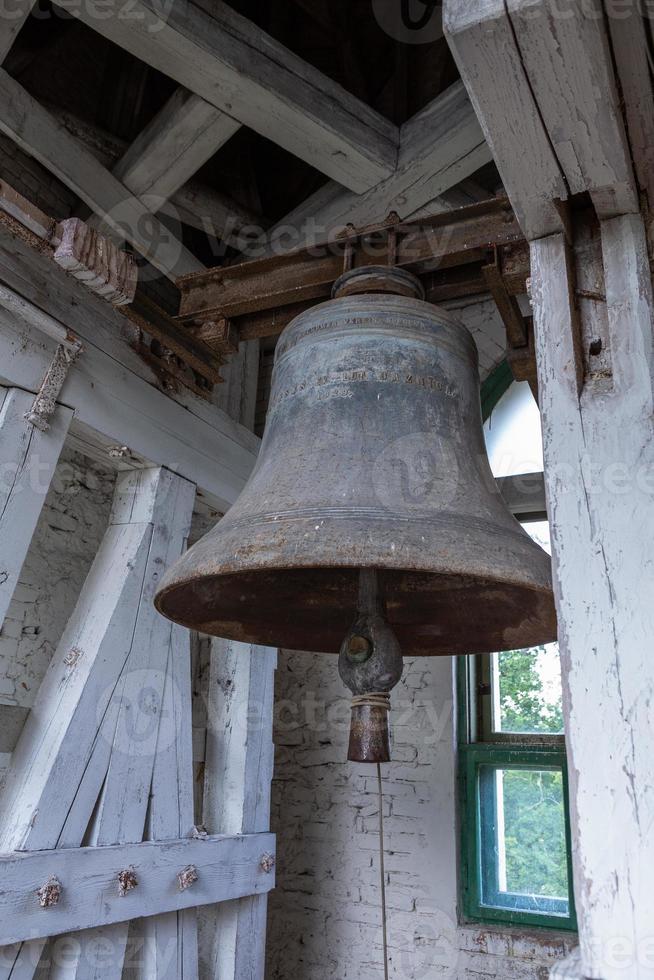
pixel 71 525
pixel 324 916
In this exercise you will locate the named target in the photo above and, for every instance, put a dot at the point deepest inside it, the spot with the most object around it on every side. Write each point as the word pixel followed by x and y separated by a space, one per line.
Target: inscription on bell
pixel 341 378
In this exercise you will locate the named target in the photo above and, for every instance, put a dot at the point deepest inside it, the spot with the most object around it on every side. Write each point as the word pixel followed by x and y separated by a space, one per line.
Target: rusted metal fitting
pixel 187 877
pixel 49 893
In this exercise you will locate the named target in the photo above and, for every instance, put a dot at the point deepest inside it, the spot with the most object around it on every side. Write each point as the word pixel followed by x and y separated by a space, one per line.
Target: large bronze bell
pixel 373 458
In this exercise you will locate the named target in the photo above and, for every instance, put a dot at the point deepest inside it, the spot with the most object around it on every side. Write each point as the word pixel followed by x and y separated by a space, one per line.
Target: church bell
pixel 371 524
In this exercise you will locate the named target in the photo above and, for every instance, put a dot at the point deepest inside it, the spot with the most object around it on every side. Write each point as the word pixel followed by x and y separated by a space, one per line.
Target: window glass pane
pixel 513 435
pixel 523 841
pixel 526 684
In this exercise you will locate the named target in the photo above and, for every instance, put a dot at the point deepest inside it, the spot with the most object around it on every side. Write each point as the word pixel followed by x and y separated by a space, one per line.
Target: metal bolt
pixel 267 863
pixel 50 893
pixel 187 877
pixel 126 881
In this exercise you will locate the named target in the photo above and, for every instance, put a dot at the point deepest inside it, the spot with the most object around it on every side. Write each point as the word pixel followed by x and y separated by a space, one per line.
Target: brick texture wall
pixel 324 915
pixel 67 536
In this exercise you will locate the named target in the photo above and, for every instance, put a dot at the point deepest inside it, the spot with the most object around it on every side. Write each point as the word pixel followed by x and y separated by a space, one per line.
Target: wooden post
pixel 238 773
pixel 28 458
pixel 82 769
pixel 599 475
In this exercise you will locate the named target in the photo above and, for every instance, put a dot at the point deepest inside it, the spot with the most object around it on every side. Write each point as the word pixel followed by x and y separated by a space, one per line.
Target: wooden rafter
pixel 39 134
pixel 440 146
pixel 183 135
pixel 226 60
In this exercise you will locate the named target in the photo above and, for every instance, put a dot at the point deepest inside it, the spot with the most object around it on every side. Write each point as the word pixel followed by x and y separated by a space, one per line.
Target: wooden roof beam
pixel 39 134
pixel 543 86
pixel 232 64
pixel 183 135
pixel 439 147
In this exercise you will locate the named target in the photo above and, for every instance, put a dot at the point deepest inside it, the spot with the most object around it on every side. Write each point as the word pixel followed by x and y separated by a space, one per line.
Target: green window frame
pixel 482 751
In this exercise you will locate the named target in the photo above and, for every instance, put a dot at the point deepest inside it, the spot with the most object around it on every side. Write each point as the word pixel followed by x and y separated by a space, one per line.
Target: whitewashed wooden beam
pixel 39 134
pixel 482 39
pixel 61 760
pixel 194 203
pixel 599 460
pixel 229 867
pixel 13 18
pixel 631 50
pixel 183 135
pixel 171 940
pixel 28 458
pixel 439 147
pixel 236 67
pixel 564 48
pixel 107 641
pixel 238 773
pixel 110 389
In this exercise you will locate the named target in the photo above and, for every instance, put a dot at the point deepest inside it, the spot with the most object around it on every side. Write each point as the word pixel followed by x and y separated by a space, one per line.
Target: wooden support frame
pixel 223 58
pixel 115 399
pixel 439 147
pixel 246 292
pixel 237 792
pixel 28 458
pixel 229 868
pixel 38 133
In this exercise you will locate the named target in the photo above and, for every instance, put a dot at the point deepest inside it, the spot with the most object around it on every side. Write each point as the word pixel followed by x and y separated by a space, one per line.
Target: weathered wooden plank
pixel 28 458
pixel 103 639
pixel 110 388
pixel 630 44
pixel 481 37
pixel 232 64
pixel 183 135
pixel 104 687
pixel 229 866
pixel 38 133
pixel 195 204
pixel 238 773
pixel 440 146
pixel 598 464
pixel 170 940
pixel 565 52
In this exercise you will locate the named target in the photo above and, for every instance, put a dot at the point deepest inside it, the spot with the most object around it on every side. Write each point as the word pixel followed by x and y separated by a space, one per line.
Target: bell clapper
pixel 370 665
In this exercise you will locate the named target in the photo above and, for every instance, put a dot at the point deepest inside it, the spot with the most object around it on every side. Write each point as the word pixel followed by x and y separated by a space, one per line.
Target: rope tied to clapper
pixel 382 872
pixel 379 699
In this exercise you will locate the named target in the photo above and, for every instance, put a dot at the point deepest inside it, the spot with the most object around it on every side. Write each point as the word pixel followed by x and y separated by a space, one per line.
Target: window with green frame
pixel 514 811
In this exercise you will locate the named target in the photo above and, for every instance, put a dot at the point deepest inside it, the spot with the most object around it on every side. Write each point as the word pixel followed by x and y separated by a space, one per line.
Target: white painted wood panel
pixel 39 134
pixel 238 772
pixel 236 67
pixel 599 459
pixel 228 868
pixel 28 458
